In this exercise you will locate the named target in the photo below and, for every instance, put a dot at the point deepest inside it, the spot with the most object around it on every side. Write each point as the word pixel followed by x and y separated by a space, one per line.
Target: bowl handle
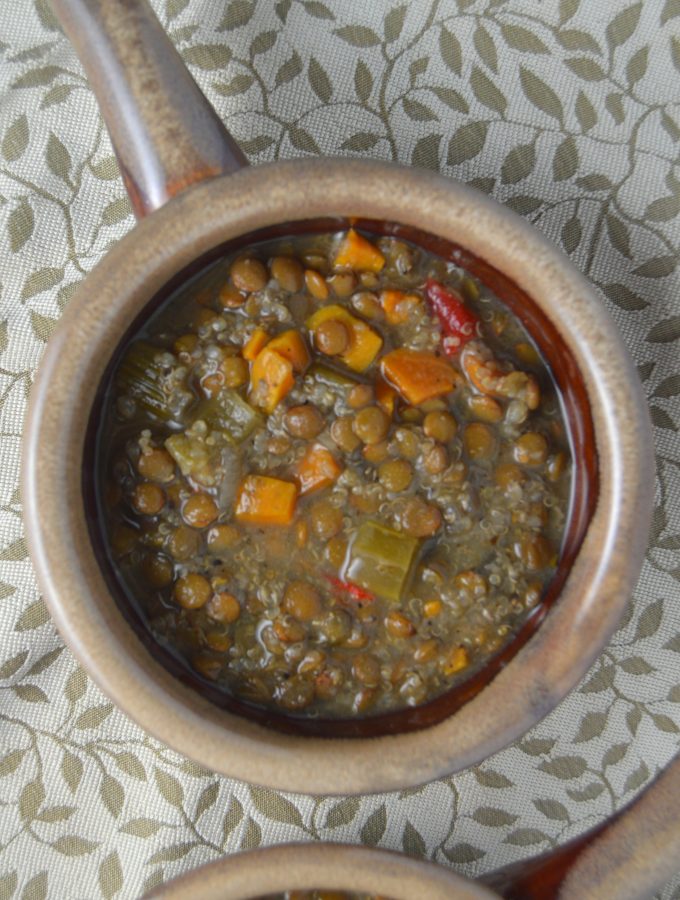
pixel 164 132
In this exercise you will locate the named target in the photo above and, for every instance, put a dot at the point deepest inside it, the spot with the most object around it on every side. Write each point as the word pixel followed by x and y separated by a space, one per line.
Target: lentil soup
pixel 335 476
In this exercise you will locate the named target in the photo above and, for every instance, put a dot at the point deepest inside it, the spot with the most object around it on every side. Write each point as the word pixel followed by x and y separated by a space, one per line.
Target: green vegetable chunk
pixel 229 413
pixel 195 458
pixel 381 560
pixel 142 376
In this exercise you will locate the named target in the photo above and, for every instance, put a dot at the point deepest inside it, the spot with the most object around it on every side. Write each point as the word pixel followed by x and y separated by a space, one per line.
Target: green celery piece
pixel 229 413
pixel 381 560
pixel 139 375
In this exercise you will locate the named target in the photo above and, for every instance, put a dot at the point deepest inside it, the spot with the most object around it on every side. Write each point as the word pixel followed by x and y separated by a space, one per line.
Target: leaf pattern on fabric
pixel 571 120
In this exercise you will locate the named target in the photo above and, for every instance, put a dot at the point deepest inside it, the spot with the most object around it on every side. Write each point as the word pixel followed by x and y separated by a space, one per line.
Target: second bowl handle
pixel 165 133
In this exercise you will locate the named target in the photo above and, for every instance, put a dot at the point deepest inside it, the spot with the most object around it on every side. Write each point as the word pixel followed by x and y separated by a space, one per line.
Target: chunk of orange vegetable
pixel 317 469
pixel 455 660
pixel 254 344
pixel 271 378
pixel 364 342
pixel 355 252
pixel 385 396
pixel 398 305
pixel 266 501
pixel 418 375
pixel 291 345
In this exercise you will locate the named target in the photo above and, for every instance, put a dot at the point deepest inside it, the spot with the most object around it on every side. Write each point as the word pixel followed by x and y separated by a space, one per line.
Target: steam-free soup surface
pixel 336 475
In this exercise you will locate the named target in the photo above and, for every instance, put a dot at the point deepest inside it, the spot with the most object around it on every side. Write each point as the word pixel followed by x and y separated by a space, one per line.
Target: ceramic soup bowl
pixel 196 197
pixel 630 857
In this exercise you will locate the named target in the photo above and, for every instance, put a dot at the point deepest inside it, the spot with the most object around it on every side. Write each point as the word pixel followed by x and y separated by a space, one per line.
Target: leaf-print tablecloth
pixel 568 111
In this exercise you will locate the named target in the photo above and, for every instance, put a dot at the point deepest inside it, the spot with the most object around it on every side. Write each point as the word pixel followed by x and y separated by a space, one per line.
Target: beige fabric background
pixel 566 111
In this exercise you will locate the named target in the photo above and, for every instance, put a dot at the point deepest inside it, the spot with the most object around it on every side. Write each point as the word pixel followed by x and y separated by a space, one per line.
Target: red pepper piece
pixel 348 587
pixel 459 323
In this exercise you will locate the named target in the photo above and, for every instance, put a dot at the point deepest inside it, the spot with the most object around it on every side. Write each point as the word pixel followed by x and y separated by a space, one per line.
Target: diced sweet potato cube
pixel 456 660
pixel 317 469
pixel 355 252
pixel 291 345
pixel 364 342
pixel 418 375
pixel 271 378
pixel 255 344
pixel 266 501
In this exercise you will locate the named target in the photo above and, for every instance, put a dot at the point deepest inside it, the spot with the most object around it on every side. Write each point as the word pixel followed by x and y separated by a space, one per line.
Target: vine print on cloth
pixel 566 111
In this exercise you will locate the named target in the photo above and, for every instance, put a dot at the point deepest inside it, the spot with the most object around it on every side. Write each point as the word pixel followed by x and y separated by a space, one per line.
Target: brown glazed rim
pixel 256 873
pixel 595 591
pixel 576 409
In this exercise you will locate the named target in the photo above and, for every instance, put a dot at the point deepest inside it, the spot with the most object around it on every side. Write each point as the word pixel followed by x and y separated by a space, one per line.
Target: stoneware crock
pixel 194 194
pixel 628 858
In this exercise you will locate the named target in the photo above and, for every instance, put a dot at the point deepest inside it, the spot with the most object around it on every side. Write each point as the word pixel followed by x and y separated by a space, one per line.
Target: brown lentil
pixel 208 666
pixel 399 625
pixel 426 651
pixel 230 297
pixel 288 272
pixel 223 607
pixel 436 459
pixel 343 434
pixel 534 551
pixel 234 370
pixel 248 274
pixel 531 449
pixel 316 284
pixel 222 537
pixel 156 465
pixel 326 520
pixel 184 543
pixel 342 283
pixel 486 409
pixel 304 421
pixel 479 441
pixel 158 570
pixel 302 601
pixel 371 424
pixel 200 510
pixel 360 395
pixel 192 591
pixel 507 475
pixel 420 519
pixel 367 305
pixel 395 474
pixel 556 466
pixel 148 499
pixel 440 426
pixel 331 337
pixel 366 669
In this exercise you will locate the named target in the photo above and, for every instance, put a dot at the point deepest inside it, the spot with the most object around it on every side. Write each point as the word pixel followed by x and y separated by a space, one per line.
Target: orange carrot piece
pixel 397 305
pixel 266 501
pixel 385 396
pixel 291 345
pixel 271 378
pixel 364 342
pixel 254 344
pixel 317 469
pixel 355 252
pixel 418 375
